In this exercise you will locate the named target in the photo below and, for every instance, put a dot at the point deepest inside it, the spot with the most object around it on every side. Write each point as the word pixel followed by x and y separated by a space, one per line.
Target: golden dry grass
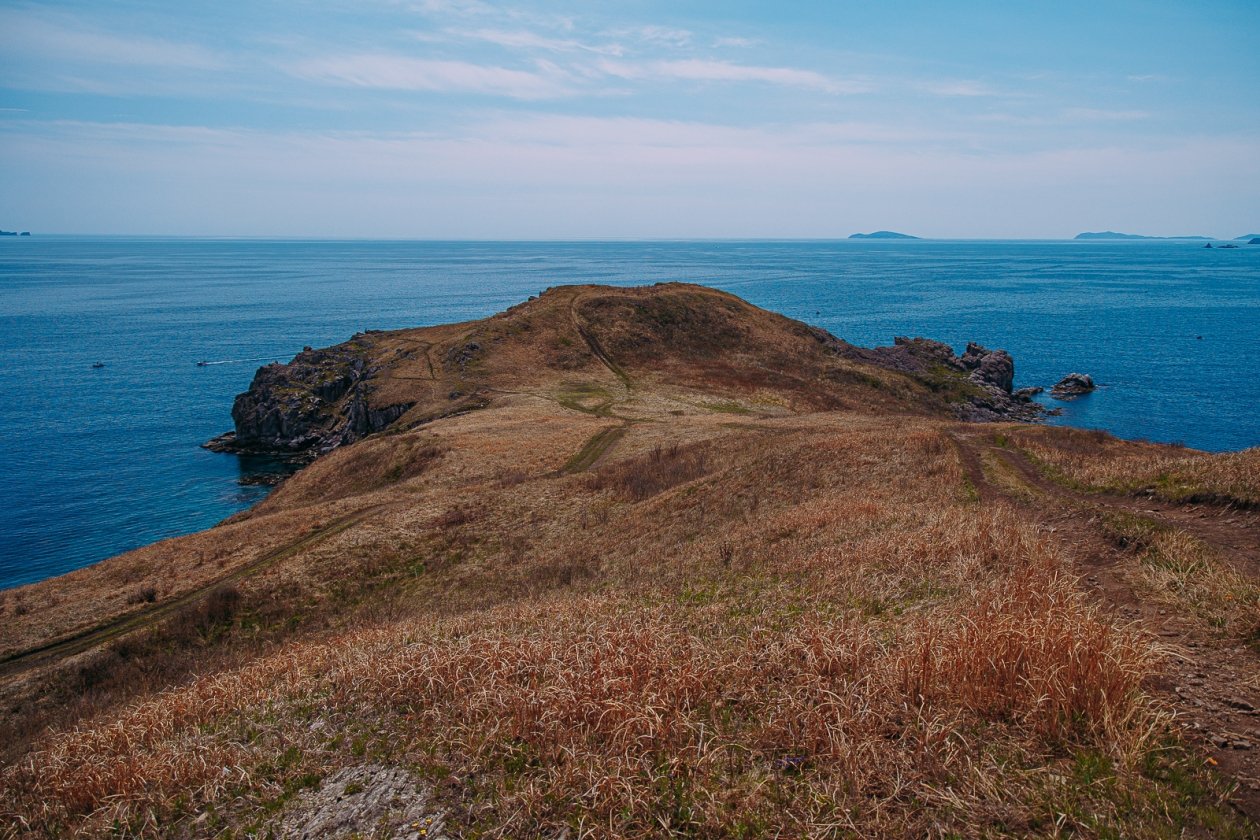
pixel 760 621
pixel 1097 461
pixel 756 711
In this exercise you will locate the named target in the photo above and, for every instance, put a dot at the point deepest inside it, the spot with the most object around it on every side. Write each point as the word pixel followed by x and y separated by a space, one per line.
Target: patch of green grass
pixel 970 494
pixel 597 445
pixel 587 398
pixel 726 407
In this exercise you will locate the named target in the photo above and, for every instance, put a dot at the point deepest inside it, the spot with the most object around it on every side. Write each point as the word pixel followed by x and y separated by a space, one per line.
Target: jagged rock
pixel 461 356
pixel 1073 385
pixel 990 367
pixel 991 372
pixel 311 405
pixel 1027 393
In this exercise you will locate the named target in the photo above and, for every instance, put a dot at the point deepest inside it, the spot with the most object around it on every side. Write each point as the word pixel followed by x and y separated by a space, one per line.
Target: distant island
pixel 1252 237
pixel 14 233
pixel 883 234
pixel 1110 234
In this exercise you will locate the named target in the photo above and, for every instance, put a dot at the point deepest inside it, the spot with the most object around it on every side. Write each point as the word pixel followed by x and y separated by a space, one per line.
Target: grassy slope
pixel 716 583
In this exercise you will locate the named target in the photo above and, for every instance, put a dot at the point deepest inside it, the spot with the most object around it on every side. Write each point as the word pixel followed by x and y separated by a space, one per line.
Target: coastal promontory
pixel 625 562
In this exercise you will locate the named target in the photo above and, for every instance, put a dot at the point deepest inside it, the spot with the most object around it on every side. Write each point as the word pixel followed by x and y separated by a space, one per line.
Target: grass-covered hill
pixel 653 562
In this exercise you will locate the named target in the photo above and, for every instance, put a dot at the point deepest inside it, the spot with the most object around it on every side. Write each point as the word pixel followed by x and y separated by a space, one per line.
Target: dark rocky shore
pixel 991 373
pixel 308 407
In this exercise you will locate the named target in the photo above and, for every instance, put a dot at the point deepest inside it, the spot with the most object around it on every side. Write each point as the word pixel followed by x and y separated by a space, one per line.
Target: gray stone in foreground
pixel 368 801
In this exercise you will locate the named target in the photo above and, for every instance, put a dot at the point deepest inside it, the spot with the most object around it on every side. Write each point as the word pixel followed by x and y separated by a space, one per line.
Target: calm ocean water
pixel 98 461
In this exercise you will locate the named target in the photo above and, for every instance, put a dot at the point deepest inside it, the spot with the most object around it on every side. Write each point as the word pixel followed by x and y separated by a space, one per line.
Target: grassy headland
pixel 654 562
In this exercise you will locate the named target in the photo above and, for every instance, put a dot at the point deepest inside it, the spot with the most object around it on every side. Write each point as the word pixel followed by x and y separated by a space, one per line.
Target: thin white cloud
pixel 1104 114
pixel 734 42
pixel 453 7
pixel 593 177
pixel 525 39
pixel 701 70
pixel 661 36
pixel 1147 77
pixel 394 72
pixel 957 87
pixel 61 39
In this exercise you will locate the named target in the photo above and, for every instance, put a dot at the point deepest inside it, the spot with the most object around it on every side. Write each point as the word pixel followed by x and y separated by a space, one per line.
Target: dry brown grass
pixel 1097 461
pixel 636 479
pixel 733 625
pixel 1185 573
pixel 939 678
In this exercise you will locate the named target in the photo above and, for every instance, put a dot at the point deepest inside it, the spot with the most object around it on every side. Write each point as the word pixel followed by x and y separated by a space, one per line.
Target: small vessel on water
pixel 202 364
pixel 97 365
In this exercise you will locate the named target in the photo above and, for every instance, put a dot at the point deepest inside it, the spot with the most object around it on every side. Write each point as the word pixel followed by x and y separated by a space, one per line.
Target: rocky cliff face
pixel 315 403
pixel 989 373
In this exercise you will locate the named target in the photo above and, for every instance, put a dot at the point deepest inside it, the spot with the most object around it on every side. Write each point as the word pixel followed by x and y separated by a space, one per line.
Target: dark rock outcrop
pixel 981 378
pixel 315 403
pixel 1073 385
pixel 990 367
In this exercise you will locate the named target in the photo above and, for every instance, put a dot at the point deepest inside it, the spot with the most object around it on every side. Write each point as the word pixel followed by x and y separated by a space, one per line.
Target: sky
pixel 481 119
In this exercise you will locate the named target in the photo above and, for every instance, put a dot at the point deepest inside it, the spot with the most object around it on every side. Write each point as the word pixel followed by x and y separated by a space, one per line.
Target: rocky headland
pixel 636 562
pixel 331 397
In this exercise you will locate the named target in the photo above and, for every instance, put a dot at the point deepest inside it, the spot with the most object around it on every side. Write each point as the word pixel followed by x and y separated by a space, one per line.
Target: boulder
pixel 990 367
pixel 1073 385
pixel 1028 393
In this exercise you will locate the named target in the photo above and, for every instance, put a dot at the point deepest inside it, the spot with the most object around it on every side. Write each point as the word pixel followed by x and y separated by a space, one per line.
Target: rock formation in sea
pixel 1073 385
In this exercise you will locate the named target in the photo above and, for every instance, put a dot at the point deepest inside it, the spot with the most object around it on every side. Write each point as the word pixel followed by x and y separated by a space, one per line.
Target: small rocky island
pixel 1072 386
pixel 1111 234
pixel 883 234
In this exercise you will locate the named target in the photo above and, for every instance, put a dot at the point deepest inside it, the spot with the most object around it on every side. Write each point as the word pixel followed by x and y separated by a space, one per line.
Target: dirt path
pixel 1212 683
pixel 86 639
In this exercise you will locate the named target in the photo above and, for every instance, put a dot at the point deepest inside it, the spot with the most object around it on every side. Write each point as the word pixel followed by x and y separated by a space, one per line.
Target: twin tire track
pixel 1211 683
pixel 17 663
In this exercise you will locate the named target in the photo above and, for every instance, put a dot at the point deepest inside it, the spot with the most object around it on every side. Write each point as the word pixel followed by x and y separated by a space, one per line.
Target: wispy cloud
pixel 57 38
pixel 701 70
pixel 453 7
pixel 552 176
pixel 661 36
pixel 395 72
pixel 1104 114
pixel 957 87
pixel 733 42
pixel 528 40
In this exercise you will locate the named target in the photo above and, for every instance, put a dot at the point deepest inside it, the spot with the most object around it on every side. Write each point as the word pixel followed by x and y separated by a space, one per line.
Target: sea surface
pixel 96 461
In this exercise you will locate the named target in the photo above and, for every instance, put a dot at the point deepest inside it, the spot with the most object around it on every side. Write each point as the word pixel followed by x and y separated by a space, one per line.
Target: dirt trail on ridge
pixel 1212 683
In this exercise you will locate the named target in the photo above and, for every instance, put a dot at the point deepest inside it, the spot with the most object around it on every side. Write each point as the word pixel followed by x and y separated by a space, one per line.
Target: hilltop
pixel 627 562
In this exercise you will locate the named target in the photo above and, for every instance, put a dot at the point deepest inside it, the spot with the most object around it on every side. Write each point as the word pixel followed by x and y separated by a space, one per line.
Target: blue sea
pixel 96 461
